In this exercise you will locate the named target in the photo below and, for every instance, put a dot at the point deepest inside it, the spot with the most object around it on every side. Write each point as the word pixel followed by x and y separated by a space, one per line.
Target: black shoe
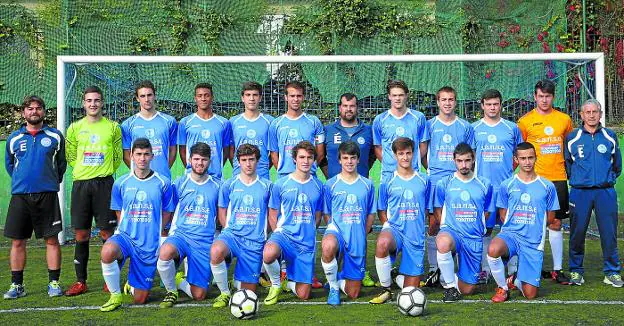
pixel 433 279
pixel 451 295
pixel 560 278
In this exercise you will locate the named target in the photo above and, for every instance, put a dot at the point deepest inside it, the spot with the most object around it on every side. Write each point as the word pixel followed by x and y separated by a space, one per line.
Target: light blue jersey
pixel 247 209
pixel 443 138
pixel 527 206
pixel 387 128
pixel 405 202
pixel 254 132
pixel 216 132
pixel 494 146
pixel 286 133
pixel 297 204
pixel 160 129
pixel 141 203
pixel 464 204
pixel 348 205
pixel 196 210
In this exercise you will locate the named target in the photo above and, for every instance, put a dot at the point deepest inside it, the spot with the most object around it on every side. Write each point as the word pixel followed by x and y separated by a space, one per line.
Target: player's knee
pixel 108 253
pixel 443 245
pixel 353 292
pixel 167 252
pixel 303 293
pixel 494 251
pixel 270 253
pixel 19 244
pixel 199 294
pixel 105 234
pixel 328 250
pixel 140 298
pixel 555 225
pixel 82 235
pixel 52 241
pixel 383 245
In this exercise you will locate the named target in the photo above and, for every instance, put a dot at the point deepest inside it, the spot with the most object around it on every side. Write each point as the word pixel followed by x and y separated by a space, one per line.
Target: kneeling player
pixel 402 206
pixel 243 214
pixel 298 197
pixel 462 204
pixel 349 208
pixel 143 202
pixel 192 230
pixel 524 201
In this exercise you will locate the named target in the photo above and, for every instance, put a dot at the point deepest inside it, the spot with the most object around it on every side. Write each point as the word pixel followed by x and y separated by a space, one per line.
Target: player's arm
pixel 550 217
pixel 126 157
pixel 424 147
pixel 172 155
pixel 369 223
pixel 371 159
pixel 226 155
pixel 222 215
pixel 275 159
pixel 320 154
pixel 383 216
pixel 273 218
pixel 118 215
pixel 318 215
pixel 502 214
pixel 437 214
pixel 117 149
pixel 166 220
pixel 71 147
pixel 61 162
pixel 233 155
pixel 326 218
pixel 9 159
pixel 183 155
pixel 378 152
pixel 488 231
pixel 324 167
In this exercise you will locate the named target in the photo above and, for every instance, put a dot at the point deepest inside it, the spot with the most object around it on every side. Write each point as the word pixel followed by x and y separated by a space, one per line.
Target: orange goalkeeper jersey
pixel 547 132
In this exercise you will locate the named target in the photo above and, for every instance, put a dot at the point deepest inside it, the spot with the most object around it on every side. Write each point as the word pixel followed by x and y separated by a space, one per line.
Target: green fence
pixel 5 184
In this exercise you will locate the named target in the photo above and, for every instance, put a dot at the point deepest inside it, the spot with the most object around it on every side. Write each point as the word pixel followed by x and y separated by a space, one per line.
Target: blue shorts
pixel 299 261
pixel 142 264
pixel 468 253
pixel 353 268
pixel 529 259
pixel 248 256
pixel 198 258
pixel 412 255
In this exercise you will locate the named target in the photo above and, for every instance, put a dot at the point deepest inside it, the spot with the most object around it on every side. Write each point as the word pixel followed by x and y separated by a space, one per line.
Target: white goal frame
pixel 597 57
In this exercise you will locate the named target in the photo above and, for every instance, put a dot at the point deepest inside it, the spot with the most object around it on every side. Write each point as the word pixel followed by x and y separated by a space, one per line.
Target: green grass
pixel 438 313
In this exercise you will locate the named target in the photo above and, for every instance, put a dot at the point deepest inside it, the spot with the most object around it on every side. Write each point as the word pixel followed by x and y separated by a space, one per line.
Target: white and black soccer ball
pixel 244 304
pixel 412 301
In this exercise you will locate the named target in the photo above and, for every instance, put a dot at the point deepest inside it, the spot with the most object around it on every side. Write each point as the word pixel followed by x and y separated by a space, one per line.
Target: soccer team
pixel 202 222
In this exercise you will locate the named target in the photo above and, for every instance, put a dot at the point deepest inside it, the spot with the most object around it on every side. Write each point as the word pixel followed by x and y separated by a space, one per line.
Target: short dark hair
pixel 204 85
pixel 305 145
pixel 446 89
pixel 395 83
pixel 30 99
pixel 201 149
pixel 144 84
pixel 490 94
pixel 247 149
pixel 251 86
pixel 402 143
pixel 92 89
pixel 523 146
pixel 462 149
pixel 296 85
pixel 546 86
pixel 141 143
pixel 349 148
pixel 347 96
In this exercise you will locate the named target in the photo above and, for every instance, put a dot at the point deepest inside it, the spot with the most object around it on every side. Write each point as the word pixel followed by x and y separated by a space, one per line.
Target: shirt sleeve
pixel 617 158
pixel 518 137
pixel 377 134
pixel 440 193
pixel 182 133
pixel 382 198
pixel 274 200
pixel 126 135
pixel 116 197
pixel 502 198
pixel 61 162
pixel 9 159
pixel 319 132
pixel 523 129
pixel 224 195
pixel 490 204
pixel 567 156
pixel 470 137
pixel 424 130
pixel 117 147
pixel 327 202
pixel 320 202
pixel 227 134
pixel 173 132
pixel 371 205
pixel 71 146
pixel 273 145
pixel 168 198
pixel 552 201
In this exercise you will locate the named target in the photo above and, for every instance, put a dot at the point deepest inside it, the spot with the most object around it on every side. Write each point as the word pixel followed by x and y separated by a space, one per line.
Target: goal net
pixel 326 78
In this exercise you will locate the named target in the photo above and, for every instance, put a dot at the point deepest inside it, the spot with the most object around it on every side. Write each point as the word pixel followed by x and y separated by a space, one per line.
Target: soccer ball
pixel 412 301
pixel 244 304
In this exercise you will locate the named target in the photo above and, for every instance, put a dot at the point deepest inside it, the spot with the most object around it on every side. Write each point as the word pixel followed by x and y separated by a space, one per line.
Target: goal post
pixel 61 95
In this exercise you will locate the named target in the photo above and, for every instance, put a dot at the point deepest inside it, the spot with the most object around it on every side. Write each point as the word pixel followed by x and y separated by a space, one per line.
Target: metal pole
pixel 60 125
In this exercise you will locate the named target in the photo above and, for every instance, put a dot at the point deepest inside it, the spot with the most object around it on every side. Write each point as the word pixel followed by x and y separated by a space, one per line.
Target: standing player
pixel 494 142
pixel 207 127
pixel 297 200
pixel 526 203
pixel 462 204
pixel 547 128
pixel 93 149
pixel 143 201
pixel 348 128
pixel 251 127
pixel 593 163
pixel 349 214
pixel 446 131
pixel 192 230
pixel 243 214
pixel 159 128
pixel 293 127
pixel 35 160
pixel 402 206
pixel 398 121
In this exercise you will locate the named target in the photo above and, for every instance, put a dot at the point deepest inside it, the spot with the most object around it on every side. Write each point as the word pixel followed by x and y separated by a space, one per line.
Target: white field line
pixel 312 303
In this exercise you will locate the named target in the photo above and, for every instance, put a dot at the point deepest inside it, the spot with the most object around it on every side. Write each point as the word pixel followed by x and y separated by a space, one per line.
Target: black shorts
pixel 564 199
pixel 91 198
pixel 39 212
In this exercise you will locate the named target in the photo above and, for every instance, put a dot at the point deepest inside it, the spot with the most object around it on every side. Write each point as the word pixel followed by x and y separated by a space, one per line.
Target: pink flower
pixel 550 74
pixel 488 75
pixel 540 37
pixel 545 33
pixel 503 44
pixel 546 47
pixel 572 8
pixel 560 48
